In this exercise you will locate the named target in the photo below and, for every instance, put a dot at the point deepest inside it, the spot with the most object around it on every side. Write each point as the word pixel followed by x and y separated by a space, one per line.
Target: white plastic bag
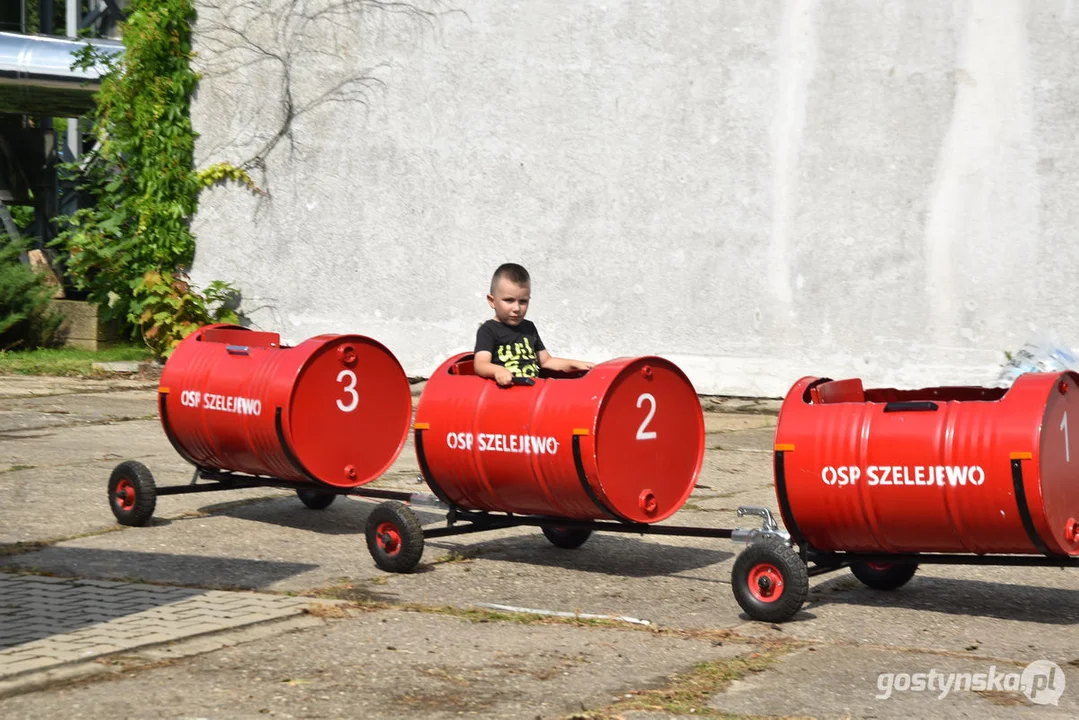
pixel 1045 352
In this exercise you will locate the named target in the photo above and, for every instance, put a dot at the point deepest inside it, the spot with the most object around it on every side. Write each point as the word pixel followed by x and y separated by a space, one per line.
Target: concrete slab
pixel 868 682
pixel 118 366
pixel 48 411
pixel 17 386
pixel 54 483
pixel 715 422
pixel 391 665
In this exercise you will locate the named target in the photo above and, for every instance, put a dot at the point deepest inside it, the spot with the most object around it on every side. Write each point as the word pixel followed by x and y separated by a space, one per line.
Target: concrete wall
pixel 758 190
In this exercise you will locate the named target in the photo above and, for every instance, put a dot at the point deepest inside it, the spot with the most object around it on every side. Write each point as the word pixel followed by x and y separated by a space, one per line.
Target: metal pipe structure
pixel 36 77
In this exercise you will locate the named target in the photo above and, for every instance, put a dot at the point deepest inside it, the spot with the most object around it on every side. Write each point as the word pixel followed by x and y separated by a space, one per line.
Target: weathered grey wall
pixel 758 190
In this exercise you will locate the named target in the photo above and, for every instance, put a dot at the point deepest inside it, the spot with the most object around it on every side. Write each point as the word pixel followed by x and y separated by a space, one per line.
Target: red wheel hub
pixel 877 566
pixel 389 539
pixel 765 582
pixel 125 494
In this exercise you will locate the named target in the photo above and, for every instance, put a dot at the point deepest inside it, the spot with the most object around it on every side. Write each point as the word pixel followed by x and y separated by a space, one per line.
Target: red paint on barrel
pixel 638 421
pixel 344 404
pixel 878 470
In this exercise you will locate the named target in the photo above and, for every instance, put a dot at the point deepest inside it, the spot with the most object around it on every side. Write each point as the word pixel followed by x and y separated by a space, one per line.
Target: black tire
pixel 132 493
pixel 566 538
pixel 883 576
pixel 394 537
pixel 316 499
pixel 770 581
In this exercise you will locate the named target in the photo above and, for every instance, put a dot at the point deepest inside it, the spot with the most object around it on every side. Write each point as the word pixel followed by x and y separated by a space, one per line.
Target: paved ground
pixel 425 644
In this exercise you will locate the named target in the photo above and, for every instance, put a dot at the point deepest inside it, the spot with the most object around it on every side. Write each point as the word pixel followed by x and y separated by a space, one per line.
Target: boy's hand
pixel 582 365
pixel 503 376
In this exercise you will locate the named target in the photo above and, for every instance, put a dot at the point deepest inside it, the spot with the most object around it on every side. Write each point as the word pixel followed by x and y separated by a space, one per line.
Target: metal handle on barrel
pixel 912 406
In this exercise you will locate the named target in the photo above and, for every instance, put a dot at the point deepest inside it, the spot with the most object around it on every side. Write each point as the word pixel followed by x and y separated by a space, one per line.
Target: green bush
pixel 27 317
pixel 167 308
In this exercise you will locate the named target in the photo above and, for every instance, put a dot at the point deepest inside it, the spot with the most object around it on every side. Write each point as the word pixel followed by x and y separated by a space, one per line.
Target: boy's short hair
pixel 511 271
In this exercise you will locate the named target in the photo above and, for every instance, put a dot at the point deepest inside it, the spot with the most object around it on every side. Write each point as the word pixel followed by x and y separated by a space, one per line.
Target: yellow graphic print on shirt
pixel 519 358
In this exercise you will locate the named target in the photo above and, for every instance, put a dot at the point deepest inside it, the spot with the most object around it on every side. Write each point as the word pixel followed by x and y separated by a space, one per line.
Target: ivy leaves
pixel 168 308
pixel 128 250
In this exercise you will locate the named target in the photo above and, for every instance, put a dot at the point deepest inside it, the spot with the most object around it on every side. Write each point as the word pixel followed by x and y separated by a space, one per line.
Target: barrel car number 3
pixel 643 433
pixel 349 379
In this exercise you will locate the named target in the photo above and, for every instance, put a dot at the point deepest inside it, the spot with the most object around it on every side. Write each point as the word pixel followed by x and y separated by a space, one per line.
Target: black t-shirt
pixel 514 348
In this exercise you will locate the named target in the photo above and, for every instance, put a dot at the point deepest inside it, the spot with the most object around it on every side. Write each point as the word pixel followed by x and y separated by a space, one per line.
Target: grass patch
pixel 451 557
pixel 689 693
pixel 327 612
pixel 482 615
pixel 66 362
pixel 21 547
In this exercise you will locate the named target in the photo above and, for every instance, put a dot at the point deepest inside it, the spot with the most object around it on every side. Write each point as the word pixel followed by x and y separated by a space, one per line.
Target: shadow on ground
pixel 343 517
pixel 131 566
pixel 1003 601
pixel 62 607
pixel 608 554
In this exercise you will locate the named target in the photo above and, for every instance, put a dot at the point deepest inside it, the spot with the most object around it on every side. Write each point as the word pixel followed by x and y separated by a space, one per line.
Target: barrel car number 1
pixel 1064 428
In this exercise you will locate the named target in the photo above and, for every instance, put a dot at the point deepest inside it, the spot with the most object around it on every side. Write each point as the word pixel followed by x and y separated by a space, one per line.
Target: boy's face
pixel 510 301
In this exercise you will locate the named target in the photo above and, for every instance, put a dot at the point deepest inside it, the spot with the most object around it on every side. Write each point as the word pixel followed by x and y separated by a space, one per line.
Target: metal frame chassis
pixel 458 521
pixel 463 522
pixel 827 561
pixel 473 521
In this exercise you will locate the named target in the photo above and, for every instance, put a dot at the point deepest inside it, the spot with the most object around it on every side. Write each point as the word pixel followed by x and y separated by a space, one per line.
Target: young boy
pixel 509 346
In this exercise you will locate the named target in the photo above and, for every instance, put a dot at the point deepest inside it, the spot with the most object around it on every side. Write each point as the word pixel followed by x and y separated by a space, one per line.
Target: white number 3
pixel 643 434
pixel 350 389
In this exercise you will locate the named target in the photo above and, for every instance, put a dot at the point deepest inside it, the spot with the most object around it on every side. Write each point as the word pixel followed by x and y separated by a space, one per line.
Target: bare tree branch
pixel 293 41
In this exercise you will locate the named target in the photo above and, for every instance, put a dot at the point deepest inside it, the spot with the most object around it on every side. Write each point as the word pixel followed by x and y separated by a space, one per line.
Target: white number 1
pixel 642 434
pixel 1064 427
pixel 350 389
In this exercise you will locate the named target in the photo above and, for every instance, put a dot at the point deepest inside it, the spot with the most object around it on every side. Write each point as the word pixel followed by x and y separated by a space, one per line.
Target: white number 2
pixel 1064 427
pixel 350 389
pixel 643 434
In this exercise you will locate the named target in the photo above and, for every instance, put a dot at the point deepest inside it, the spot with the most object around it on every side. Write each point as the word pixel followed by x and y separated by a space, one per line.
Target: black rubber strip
pixel 784 501
pixel 911 406
pixel 425 469
pixel 579 464
pixel 163 409
pixel 1024 510
pixel 289 455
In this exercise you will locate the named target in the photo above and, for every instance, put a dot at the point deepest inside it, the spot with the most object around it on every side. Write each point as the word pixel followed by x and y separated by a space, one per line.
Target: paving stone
pixel 101 583
pixel 52 621
pixel 20 666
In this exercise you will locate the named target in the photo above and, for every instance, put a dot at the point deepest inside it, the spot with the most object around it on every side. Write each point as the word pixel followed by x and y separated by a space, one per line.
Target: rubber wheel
pixel 770 581
pixel 132 493
pixel 883 576
pixel 566 538
pixel 315 499
pixel 394 537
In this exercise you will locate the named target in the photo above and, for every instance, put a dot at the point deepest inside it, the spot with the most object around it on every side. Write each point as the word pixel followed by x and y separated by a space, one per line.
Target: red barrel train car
pixel 617 448
pixel 324 417
pixel 883 480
